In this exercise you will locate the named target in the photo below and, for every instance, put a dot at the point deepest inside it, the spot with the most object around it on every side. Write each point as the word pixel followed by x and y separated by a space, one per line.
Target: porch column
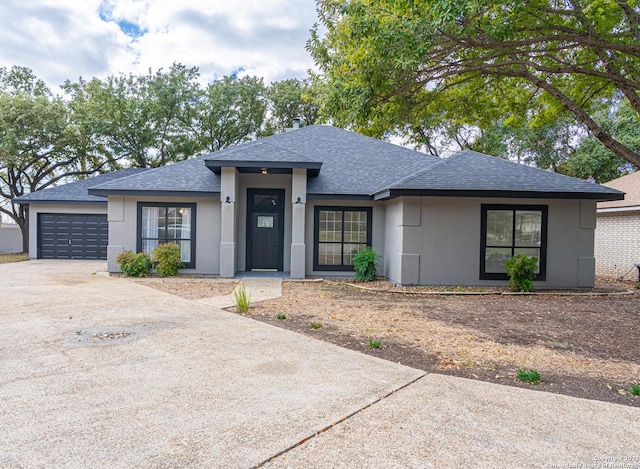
pixel 228 189
pixel 299 200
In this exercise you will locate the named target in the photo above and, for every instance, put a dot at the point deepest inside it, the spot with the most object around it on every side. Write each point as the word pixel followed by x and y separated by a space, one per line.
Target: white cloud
pixel 64 39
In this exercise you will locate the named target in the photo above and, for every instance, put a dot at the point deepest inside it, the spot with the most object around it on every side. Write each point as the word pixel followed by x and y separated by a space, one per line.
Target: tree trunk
pixel 25 239
pixel 24 227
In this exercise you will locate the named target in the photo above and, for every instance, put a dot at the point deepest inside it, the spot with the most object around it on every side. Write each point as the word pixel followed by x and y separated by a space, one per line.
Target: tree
pixel 228 112
pixel 139 118
pixel 38 142
pixel 591 159
pixel 288 100
pixel 392 64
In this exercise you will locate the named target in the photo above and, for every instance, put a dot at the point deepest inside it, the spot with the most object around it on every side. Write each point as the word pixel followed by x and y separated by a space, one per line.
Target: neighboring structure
pixel 10 238
pixel 617 241
pixel 305 201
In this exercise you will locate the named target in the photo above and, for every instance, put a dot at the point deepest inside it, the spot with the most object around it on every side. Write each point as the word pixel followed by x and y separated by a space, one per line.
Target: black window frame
pixel 542 261
pixel 192 206
pixel 316 231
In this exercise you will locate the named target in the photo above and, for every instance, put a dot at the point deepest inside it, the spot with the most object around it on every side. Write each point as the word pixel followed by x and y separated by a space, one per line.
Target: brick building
pixel 617 235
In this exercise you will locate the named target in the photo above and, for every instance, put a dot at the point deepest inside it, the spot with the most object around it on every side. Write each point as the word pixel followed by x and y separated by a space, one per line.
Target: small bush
pixel 634 389
pixel 364 263
pixel 529 376
pixel 134 265
pixel 166 258
pixel 374 344
pixel 315 325
pixel 521 270
pixel 281 317
pixel 241 298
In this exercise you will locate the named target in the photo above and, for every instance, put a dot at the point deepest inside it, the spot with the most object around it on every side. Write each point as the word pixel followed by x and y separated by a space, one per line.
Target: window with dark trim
pixel 511 230
pixel 168 223
pixel 340 232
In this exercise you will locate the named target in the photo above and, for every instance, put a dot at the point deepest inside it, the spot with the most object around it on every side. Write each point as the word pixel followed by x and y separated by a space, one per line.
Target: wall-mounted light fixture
pixel 227 200
pixel 264 171
pixel 298 200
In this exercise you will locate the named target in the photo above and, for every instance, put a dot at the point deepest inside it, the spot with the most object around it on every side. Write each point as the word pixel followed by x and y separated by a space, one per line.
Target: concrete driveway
pixel 103 372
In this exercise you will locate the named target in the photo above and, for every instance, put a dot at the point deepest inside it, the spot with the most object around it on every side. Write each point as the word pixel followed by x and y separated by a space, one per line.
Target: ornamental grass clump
pixel 166 258
pixel 364 263
pixel 521 270
pixel 134 265
pixel 242 298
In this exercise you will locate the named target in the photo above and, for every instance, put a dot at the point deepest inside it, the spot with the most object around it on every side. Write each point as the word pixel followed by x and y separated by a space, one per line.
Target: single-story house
pixel 305 201
pixel 617 237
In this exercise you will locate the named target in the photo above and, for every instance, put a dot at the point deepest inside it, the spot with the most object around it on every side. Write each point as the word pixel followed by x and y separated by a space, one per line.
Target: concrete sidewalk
pixel 260 289
pixel 103 372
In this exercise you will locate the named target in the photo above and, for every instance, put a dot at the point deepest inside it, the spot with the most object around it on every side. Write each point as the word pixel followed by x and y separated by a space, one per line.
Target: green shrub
pixel 134 265
pixel 364 263
pixel 166 258
pixel 634 389
pixel 281 316
pixel 241 298
pixel 315 325
pixel 521 270
pixel 374 343
pixel 529 376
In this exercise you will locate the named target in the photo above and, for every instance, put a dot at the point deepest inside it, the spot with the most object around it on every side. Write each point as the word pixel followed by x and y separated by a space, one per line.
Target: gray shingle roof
pixel 260 154
pixel 190 177
pixel 77 191
pixel 351 163
pixel 470 171
pixel 354 165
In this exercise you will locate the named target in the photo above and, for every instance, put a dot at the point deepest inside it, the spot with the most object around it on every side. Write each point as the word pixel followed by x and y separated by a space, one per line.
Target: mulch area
pixel 583 346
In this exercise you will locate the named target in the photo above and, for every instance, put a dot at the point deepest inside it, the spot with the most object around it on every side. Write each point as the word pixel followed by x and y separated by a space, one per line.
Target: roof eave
pixel 318 196
pixel 60 202
pixel 599 197
pixel 627 208
pixel 152 193
pixel 216 166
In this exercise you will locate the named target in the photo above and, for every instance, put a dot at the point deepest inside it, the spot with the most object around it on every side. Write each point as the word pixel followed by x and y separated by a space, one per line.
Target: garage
pixel 68 223
pixel 72 236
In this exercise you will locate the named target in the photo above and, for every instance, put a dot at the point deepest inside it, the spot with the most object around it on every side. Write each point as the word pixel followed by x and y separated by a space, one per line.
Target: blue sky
pixel 65 39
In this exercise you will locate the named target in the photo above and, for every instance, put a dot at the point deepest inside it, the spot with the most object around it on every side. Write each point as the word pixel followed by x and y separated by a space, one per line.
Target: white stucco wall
pixel 35 209
pixel 123 213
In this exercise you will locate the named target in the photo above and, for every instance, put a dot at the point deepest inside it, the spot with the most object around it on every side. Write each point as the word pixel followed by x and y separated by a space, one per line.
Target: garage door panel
pixel 71 236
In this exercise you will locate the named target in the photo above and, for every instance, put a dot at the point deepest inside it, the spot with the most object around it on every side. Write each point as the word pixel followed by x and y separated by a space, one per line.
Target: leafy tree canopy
pixel 38 141
pixel 406 66
pixel 288 100
pixel 227 112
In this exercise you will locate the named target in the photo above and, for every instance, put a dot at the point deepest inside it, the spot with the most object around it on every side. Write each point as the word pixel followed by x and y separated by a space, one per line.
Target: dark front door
pixel 265 228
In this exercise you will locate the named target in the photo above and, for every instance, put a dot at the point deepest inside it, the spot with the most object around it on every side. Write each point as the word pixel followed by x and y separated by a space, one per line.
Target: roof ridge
pixel 147 170
pixel 420 172
pixel 294 152
pixel 135 173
